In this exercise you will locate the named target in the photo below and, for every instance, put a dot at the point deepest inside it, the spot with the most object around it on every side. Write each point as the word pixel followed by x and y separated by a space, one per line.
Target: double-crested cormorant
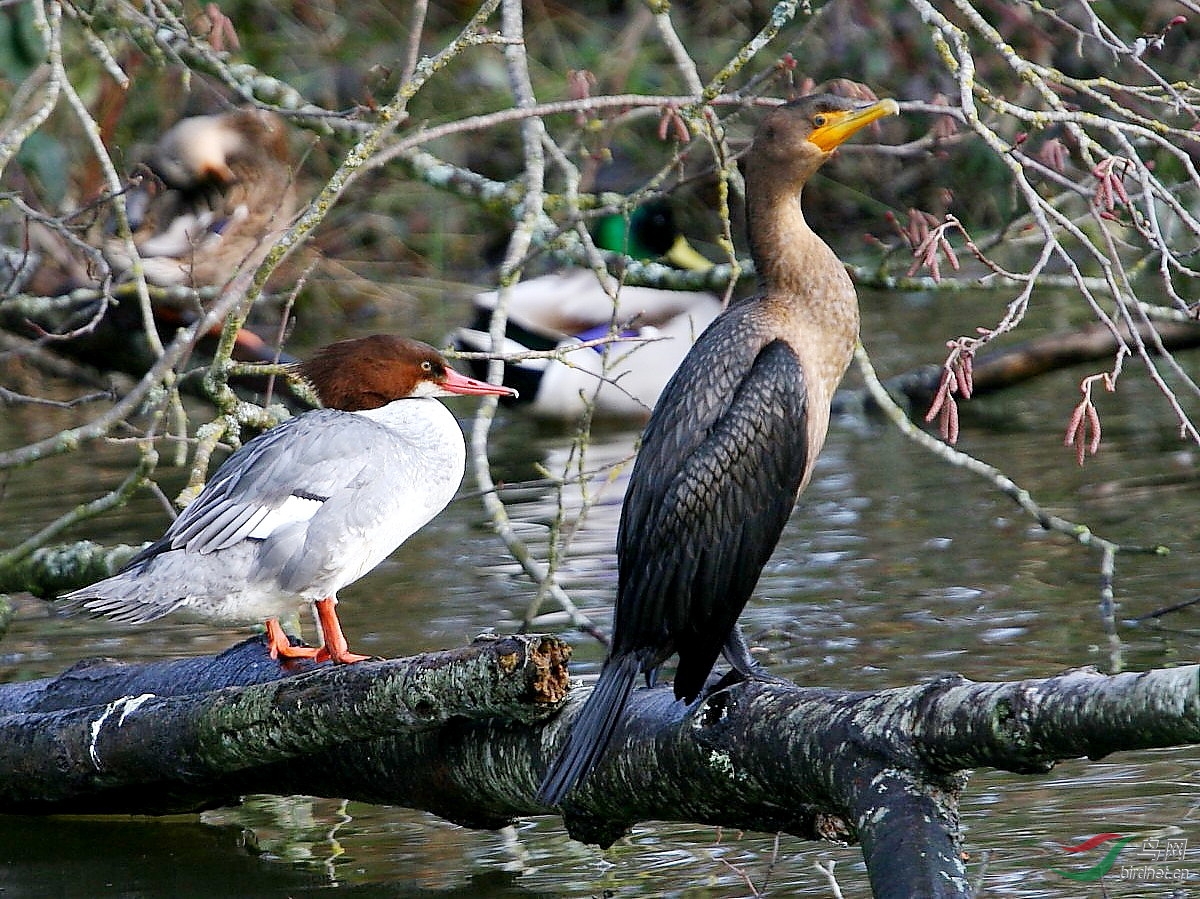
pixel 311 505
pixel 732 441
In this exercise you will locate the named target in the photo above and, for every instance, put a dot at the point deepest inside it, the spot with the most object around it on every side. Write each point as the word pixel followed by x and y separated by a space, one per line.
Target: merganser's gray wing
pixel 281 477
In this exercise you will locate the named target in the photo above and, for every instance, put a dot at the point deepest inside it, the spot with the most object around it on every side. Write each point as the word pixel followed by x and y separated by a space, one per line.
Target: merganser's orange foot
pixel 280 645
pixel 339 655
pixel 336 649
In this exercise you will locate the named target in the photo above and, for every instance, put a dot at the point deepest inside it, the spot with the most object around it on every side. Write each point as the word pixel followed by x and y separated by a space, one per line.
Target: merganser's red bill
pixel 457 383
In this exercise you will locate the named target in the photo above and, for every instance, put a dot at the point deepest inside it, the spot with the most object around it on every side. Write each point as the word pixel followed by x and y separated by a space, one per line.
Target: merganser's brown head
pixel 369 372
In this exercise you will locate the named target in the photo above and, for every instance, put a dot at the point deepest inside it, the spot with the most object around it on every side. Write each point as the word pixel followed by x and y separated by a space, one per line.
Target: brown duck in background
pixel 732 441
pixel 222 191
pixel 215 193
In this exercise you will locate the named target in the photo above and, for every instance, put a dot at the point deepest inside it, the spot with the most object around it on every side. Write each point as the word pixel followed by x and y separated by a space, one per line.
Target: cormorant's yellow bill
pixel 839 124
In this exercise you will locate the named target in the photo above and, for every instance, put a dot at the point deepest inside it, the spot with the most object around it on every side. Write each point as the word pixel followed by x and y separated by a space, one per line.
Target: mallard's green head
pixel 649 232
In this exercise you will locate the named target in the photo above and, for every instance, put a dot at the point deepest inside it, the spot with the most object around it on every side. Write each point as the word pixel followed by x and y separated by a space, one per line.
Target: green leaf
pixel 45 158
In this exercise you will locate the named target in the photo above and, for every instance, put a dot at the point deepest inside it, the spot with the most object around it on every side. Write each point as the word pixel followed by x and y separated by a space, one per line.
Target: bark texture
pixel 467 734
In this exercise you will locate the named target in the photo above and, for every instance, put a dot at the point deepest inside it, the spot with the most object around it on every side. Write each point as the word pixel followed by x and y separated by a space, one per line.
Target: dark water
pixel 893 569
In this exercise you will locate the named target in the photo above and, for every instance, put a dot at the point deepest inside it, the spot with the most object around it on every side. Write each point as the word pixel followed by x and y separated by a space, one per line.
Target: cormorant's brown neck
pixel 793 263
pixel 806 296
pixel 780 237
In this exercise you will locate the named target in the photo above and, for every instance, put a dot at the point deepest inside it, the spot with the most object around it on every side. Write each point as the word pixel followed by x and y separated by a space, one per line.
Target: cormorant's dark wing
pixel 716 478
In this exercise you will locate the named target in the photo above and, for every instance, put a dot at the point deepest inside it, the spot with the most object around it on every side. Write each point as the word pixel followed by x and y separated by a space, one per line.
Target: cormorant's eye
pixel 819 121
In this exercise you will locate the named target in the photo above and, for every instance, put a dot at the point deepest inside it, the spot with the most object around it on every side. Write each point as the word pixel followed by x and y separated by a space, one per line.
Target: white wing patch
pixel 180 237
pixel 296 508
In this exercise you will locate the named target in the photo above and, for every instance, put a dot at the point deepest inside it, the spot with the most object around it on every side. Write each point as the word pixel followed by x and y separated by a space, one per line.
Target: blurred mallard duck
pixel 220 190
pixel 216 193
pixel 565 309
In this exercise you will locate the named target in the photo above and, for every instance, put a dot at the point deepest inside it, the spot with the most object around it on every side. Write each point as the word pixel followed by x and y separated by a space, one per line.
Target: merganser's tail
pixel 129 596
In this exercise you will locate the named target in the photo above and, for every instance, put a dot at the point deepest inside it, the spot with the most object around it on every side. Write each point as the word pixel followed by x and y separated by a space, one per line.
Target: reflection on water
pixel 894 569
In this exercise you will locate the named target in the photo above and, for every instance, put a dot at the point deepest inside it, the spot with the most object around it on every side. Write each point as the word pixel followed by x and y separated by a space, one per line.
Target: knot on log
pixel 546 658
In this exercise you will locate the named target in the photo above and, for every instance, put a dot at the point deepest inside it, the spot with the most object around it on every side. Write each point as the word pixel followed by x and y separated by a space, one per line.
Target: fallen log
pixel 180 735
pixel 467 734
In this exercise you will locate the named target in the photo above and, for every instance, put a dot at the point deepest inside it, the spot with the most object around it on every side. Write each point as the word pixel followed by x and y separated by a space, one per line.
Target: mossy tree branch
pixel 466 734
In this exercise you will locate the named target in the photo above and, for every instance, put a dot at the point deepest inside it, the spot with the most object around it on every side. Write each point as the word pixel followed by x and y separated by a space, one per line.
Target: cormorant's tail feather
pixel 592 729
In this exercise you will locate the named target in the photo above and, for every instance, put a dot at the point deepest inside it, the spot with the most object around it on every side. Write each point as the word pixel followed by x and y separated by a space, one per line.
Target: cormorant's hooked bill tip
pixel 839 125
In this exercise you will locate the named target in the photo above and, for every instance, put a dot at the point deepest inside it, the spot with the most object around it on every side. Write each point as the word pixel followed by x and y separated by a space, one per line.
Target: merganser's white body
pixel 307 507
pixel 295 515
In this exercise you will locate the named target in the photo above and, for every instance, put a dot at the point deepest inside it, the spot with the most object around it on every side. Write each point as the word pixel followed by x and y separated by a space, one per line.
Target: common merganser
pixel 562 310
pixel 309 506
pixel 732 441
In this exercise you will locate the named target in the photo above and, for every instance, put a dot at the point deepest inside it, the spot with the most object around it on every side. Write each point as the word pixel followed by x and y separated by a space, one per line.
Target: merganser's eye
pixel 426 366
pixel 819 121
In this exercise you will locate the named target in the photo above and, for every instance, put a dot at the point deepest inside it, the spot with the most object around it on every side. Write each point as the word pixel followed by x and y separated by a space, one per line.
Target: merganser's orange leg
pixel 278 644
pixel 335 648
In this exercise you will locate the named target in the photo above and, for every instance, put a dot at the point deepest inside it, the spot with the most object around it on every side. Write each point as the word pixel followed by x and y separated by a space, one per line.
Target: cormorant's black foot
pixel 743 664
pixel 733 677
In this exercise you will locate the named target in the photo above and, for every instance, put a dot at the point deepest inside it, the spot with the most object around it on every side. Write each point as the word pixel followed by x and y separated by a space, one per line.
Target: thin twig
pixel 1080 533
